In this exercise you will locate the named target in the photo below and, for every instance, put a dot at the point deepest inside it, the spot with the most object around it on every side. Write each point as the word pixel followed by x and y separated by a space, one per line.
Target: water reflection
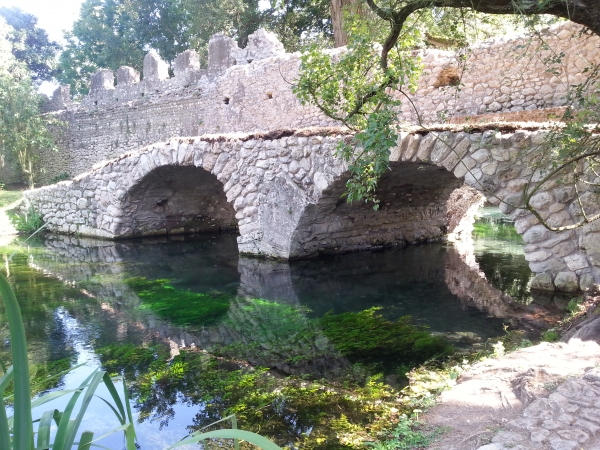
pixel 76 300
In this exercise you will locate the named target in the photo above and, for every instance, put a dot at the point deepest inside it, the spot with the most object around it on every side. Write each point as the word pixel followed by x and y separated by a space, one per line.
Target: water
pixel 76 300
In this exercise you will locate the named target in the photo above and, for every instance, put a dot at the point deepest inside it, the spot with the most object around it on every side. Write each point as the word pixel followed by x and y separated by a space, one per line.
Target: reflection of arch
pixel 177 199
pixel 413 208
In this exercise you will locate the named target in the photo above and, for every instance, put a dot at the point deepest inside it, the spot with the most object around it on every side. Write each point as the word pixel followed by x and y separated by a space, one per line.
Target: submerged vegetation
pixel 179 306
pixel 367 338
pixel 289 410
pixel 338 399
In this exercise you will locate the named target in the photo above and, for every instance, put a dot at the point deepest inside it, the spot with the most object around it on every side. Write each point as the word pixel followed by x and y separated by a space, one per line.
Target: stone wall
pixel 249 90
pixel 283 191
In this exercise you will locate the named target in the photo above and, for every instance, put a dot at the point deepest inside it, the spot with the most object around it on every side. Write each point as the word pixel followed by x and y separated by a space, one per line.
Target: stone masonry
pixel 283 192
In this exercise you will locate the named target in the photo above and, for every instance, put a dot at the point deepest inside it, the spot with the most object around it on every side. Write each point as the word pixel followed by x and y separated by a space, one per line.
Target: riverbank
pixel 542 397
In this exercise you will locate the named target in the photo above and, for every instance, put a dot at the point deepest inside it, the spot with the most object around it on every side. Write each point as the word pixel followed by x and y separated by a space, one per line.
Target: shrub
pixel 28 222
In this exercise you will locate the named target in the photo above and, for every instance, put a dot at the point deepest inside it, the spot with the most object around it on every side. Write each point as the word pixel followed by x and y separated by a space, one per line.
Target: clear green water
pixel 81 303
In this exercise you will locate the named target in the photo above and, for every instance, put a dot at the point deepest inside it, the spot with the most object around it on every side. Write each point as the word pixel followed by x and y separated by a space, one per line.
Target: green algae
pixel 270 333
pixel 180 307
pixel 393 346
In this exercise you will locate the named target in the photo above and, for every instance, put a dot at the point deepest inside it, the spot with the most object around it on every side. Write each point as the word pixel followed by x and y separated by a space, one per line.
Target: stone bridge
pixel 230 147
pixel 283 191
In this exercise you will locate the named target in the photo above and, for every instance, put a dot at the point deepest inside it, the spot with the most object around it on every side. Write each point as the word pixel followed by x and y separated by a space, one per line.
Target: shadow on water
pixel 102 300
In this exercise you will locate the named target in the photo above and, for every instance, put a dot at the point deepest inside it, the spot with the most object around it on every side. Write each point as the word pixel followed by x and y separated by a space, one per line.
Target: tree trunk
pixel 337 21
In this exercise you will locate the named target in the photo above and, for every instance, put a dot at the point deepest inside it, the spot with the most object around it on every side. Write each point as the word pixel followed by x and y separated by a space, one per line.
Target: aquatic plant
pixel 181 307
pixel 396 346
pixel 43 377
pixel 271 333
pixel 290 410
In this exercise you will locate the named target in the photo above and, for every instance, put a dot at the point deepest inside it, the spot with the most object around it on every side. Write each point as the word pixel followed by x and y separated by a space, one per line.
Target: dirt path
pixel 534 398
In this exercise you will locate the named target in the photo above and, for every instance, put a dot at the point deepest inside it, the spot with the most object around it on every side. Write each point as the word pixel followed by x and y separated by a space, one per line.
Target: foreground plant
pixel 16 431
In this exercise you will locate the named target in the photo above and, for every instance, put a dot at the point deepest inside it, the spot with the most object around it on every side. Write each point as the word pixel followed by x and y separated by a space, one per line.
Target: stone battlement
pixel 249 90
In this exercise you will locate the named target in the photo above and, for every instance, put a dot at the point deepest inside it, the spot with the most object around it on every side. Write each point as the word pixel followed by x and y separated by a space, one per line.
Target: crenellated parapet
pixel 223 52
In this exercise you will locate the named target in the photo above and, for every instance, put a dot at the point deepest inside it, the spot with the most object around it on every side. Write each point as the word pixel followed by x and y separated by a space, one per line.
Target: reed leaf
pixel 44 428
pixel 86 440
pixel 23 424
pixel 248 436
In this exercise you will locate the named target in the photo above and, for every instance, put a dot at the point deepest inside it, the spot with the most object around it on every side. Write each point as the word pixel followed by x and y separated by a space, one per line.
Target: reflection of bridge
pixel 282 188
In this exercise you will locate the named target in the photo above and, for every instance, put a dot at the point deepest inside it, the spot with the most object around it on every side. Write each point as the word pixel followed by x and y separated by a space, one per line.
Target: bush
pixel 27 223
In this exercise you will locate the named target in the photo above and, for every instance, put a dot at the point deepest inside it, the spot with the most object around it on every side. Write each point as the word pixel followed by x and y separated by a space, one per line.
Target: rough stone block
pixel 186 62
pixel 102 80
pixel 222 52
pixel 542 282
pixel 127 75
pixel 155 69
pixel 566 282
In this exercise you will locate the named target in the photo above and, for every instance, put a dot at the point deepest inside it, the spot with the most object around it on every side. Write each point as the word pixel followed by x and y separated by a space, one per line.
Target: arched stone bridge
pixel 282 191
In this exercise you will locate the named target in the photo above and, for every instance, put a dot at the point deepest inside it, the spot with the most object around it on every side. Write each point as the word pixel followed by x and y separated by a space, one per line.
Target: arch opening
pixel 178 200
pixel 415 206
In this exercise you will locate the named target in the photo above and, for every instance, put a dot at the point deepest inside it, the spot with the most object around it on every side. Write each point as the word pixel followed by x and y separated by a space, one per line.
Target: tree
pixel 113 33
pixel 30 44
pixel 105 36
pixel 23 130
pixel 364 102
pixel 298 23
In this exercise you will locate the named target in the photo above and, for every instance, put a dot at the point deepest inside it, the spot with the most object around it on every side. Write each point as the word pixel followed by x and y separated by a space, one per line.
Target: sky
pixel 53 15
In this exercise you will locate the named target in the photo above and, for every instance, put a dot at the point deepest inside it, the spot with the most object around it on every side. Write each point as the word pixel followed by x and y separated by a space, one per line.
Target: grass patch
pixel 8 197
pixel 180 307
pixel 496 230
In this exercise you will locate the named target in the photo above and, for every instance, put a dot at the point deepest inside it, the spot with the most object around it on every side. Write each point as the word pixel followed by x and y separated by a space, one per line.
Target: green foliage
pixel 407 434
pixel 550 336
pixel 23 131
pixel 496 230
pixel 113 33
pixel 575 306
pixel 179 306
pixel 353 88
pixel 368 338
pixel 28 222
pixel 30 44
pixel 300 23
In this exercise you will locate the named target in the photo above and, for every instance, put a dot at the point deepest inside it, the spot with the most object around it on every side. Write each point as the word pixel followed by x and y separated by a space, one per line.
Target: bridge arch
pixel 414 207
pixel 174 199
